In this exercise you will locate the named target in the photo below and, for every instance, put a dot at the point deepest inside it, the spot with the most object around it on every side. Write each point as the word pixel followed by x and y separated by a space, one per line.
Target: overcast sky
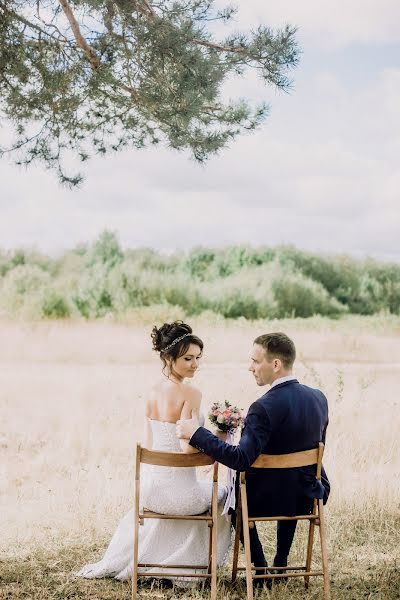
pixel 322 173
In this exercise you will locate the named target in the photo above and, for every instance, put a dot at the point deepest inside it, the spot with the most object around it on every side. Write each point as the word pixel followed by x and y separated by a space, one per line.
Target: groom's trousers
pixel 284 537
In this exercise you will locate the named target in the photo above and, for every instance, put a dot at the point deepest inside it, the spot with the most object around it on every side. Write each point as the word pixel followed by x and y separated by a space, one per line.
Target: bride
pixel 168 489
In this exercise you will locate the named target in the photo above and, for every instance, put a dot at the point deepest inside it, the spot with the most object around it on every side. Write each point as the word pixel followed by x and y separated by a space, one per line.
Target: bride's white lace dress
pixel 165 490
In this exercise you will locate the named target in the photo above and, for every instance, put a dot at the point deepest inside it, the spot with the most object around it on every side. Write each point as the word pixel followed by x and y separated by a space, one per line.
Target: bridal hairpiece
pixel 175 342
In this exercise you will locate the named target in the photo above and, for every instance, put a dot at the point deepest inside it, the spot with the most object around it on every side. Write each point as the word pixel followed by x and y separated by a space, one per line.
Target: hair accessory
pixel 175 342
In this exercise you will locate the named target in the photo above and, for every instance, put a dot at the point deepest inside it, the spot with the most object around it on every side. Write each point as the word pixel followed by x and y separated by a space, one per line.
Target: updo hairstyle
pixel 167 333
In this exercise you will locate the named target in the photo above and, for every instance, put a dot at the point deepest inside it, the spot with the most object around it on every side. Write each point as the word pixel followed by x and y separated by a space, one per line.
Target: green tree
pixel 94 76
pixel 106 250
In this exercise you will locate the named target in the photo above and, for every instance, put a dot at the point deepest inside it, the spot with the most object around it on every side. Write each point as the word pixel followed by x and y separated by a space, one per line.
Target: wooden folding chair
pixel 176 459
pixel 316 518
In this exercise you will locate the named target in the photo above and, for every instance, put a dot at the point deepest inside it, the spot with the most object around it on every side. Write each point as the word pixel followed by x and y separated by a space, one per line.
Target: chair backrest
pixel 172 459
pixel 289 461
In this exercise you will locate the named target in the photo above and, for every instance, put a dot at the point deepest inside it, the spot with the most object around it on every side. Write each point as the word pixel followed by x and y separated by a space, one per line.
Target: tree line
pixel 102 278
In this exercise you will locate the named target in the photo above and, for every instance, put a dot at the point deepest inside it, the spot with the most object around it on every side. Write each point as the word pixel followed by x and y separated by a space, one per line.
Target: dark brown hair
pixel 165 336
pixel 278 345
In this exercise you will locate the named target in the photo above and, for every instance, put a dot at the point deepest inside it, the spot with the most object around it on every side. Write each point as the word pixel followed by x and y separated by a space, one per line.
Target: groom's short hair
pixel 278 345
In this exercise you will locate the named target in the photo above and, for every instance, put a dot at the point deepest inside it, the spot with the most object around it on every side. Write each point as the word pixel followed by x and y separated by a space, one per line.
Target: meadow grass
pixel 71 407
pixel 364 558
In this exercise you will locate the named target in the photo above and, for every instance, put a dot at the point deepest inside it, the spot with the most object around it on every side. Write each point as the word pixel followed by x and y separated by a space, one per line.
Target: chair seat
pixel 309 517
pixel 149 514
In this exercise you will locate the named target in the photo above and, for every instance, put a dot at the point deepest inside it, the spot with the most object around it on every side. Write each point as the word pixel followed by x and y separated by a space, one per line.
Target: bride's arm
pixel 191 407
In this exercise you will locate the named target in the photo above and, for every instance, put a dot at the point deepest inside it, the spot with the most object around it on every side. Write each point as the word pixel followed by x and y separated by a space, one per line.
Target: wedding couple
pixel 289 417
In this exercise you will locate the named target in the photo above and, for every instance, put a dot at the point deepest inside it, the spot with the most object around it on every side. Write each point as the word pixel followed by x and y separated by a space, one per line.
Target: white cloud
pixel 328 24
pixel 321 174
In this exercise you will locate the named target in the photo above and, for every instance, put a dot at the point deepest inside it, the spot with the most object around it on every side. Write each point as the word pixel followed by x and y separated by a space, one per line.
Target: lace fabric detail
pixel 173 490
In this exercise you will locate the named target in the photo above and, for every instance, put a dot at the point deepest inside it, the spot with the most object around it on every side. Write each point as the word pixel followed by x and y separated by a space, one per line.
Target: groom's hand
pixel 185 428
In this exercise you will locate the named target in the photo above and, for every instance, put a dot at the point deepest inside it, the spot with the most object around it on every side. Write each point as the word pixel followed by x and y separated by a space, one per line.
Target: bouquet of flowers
pixel 225 417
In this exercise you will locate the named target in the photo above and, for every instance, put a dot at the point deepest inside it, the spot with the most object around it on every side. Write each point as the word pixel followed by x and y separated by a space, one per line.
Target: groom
pixel 289 417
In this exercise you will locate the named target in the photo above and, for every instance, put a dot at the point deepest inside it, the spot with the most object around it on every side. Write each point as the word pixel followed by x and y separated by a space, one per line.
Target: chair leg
pixel 214 541
pixel 209 547
pixel 324 550
pixel 246 540
pixel 309 550
pixel 135 556
pixel 237 541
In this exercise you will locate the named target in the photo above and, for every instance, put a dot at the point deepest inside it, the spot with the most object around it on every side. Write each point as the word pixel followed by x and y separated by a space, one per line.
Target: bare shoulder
pixel 192 395
pixel 166 390
pixel 163 399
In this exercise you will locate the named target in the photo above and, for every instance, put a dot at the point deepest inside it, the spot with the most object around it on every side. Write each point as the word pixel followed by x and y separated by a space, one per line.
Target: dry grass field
pixel 71 407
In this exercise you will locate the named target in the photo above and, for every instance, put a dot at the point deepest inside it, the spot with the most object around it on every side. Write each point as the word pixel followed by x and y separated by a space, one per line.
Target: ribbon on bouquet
pixel 230 501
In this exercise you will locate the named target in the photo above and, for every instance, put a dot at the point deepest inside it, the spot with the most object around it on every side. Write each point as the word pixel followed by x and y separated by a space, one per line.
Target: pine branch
pixel 143 8
pixel 237 49
pixel 22 19
pixel 153 82
pixel 80 40
pixel 108 17
pixel 149 8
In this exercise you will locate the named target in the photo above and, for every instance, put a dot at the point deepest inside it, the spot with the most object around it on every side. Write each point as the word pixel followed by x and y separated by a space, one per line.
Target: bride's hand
pixel 185 428
pixel 221 435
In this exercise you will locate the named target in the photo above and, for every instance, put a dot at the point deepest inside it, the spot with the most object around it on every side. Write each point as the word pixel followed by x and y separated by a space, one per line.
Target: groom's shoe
pixel 166 583
pixel 158 582
pixel 262 570
pixel 279 561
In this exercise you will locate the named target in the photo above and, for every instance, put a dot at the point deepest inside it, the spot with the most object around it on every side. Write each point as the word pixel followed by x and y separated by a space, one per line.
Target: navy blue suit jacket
pixel 290 417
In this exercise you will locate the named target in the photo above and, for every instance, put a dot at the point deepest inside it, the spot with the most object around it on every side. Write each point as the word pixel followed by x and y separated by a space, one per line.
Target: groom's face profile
pixel 264 368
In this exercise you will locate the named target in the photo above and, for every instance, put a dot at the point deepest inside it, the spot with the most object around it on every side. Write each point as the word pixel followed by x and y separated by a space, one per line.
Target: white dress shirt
pixel 283 380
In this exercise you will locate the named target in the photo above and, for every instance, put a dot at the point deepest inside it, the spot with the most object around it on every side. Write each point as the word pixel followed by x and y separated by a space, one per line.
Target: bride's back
pixel 167 399
pixel 171 489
